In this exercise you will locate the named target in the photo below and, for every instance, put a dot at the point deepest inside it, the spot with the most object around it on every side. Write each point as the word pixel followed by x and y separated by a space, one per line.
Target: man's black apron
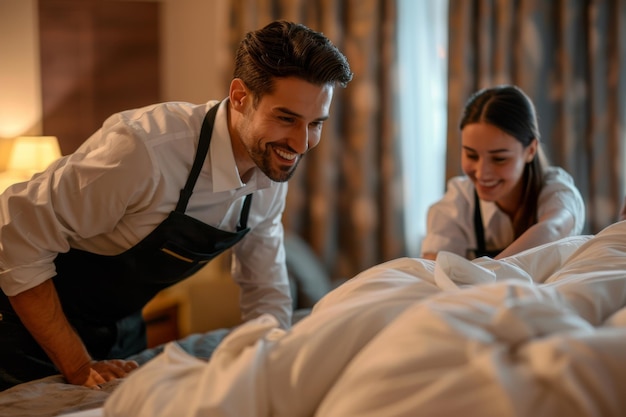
pixel 481 247
pixel 102 296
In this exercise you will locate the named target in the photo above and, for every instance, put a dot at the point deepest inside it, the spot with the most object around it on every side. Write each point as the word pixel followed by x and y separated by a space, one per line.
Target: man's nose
pixel 300 140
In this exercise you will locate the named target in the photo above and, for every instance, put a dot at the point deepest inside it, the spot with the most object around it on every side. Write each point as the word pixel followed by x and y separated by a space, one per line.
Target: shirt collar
pixel 223 167
pixel 488 210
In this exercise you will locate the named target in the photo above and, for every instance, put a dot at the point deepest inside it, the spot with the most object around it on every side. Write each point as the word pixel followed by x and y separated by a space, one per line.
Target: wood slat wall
pixel 98 57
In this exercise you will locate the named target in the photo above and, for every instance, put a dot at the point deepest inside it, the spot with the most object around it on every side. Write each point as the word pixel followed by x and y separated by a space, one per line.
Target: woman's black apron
pixel 102 296
pixel 481 247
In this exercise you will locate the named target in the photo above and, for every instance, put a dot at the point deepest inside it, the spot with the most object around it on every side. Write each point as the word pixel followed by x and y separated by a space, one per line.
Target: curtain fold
pixel 569 58
pixel 343 199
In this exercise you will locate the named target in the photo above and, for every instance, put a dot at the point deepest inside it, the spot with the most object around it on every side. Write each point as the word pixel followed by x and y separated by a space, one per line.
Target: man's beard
pixel 263 159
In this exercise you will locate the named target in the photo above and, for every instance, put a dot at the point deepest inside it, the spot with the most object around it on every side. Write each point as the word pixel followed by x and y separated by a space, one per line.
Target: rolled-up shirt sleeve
pixel 78 196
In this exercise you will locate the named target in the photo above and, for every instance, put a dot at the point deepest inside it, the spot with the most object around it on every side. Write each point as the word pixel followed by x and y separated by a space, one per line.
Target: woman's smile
pixel 488 190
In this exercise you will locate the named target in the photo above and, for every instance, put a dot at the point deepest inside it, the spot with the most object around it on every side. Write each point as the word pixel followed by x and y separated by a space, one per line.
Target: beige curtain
pixel 344 198
pixel 570 57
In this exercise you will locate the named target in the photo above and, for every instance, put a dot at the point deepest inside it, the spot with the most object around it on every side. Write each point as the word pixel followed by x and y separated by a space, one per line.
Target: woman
pixel 509 199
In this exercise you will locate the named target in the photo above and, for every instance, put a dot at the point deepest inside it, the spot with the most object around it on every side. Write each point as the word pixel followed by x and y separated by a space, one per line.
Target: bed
pixel 542 333
pixel 51 396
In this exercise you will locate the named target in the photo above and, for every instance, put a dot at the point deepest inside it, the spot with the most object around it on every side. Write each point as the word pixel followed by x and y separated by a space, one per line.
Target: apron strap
pixel 243 219
pixel 203 147
pixel 478 225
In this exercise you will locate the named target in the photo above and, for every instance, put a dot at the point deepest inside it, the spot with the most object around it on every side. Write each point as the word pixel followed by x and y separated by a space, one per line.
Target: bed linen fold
pixel 537 334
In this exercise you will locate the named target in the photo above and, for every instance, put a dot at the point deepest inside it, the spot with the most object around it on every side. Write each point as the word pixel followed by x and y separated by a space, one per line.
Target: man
pixel 85 244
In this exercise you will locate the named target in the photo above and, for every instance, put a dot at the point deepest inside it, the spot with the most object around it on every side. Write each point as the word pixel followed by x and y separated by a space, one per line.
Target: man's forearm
pixel 41 313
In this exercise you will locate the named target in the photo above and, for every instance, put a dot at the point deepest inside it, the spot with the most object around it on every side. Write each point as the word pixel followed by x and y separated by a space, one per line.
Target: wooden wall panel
pixel 97 57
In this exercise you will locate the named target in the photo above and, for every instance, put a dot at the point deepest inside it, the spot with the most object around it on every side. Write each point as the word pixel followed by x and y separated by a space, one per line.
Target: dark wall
pixel 98 57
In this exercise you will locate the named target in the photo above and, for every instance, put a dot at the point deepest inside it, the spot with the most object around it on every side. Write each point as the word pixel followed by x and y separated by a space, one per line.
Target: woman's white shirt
pixel 450 221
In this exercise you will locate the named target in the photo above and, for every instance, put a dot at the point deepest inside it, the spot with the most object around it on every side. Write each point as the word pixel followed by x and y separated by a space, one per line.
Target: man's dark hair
pixel 286 49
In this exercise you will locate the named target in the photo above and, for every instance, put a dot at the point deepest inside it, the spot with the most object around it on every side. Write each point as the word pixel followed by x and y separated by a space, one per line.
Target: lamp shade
pixel 31 154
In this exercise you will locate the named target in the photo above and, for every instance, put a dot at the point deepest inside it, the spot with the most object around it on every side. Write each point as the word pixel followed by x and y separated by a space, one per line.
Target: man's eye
pixel 286 119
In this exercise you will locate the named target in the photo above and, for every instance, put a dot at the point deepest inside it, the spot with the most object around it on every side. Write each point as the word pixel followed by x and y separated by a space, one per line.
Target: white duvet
pixel 539 334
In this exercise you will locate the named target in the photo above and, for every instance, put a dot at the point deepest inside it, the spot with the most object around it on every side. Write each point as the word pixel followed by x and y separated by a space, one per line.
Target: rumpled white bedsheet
pixel 539 334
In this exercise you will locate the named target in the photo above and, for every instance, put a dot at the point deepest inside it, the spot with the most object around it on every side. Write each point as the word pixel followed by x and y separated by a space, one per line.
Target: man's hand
pixel 94 373
pixel 41 313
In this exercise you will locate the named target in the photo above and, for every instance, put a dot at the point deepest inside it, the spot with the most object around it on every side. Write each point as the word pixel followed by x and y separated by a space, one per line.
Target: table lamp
pixel 29 155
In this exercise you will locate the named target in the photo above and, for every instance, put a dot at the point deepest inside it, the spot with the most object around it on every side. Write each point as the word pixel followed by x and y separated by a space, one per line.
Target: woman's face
pixel 495 161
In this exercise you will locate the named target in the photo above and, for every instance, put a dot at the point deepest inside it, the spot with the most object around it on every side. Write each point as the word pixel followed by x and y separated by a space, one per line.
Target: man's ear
pixel 238 94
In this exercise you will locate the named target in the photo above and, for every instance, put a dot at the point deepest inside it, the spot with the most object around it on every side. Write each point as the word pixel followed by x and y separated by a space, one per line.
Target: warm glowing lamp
pixel 29 155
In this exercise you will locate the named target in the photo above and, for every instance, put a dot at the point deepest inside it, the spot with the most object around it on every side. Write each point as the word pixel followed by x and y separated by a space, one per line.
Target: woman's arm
pixel 552 226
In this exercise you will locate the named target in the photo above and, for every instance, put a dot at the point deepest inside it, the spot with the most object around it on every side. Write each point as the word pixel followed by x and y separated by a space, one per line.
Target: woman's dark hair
pixel 509 109
pixel 284 49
